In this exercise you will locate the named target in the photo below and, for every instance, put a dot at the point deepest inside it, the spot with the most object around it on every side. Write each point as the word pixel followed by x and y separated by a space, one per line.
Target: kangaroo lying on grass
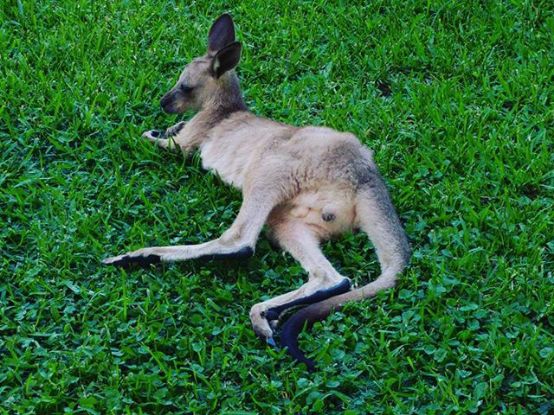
pixel 307 184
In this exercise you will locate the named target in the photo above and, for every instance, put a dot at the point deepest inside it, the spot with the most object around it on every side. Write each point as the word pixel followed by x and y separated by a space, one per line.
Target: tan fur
pixel 307 184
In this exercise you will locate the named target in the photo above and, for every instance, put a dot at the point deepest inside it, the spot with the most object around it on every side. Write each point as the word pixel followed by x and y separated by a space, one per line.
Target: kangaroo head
pixel 209 79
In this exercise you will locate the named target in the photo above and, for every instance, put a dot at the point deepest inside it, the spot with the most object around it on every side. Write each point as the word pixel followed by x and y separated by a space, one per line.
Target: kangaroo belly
pixel 327 211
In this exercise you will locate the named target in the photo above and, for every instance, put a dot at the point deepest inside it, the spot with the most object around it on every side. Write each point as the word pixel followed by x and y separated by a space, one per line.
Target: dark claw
pixel 172 131
pixel 142 261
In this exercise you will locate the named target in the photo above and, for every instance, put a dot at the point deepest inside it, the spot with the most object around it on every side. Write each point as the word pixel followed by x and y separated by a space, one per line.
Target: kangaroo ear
pixel 221 34
pixel 226 59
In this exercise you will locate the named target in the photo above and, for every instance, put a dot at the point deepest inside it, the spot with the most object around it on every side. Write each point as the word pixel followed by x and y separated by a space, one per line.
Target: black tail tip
pixel 289 340
pixel 298 355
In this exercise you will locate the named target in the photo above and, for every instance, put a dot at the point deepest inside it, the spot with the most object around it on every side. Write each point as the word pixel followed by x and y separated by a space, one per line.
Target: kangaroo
pixel 306 184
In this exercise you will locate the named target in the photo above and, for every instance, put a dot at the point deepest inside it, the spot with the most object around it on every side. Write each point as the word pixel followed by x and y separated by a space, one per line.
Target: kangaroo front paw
pixel 174 130
pixel 153 135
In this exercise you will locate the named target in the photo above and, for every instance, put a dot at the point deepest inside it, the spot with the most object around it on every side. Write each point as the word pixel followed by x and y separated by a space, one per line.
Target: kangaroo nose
pixel 164 101
pixel 169 104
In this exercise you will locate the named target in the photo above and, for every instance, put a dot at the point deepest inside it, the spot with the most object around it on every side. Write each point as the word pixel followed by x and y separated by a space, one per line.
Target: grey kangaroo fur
pixel 306 183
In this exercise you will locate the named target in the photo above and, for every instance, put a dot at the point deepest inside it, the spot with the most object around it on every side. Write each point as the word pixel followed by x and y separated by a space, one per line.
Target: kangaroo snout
pixel 169 103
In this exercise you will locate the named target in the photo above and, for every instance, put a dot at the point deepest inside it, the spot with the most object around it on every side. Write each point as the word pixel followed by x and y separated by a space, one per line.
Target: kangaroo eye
pixel 186 89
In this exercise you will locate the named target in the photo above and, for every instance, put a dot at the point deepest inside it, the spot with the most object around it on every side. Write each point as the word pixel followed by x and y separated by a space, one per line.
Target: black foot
pixel 340 288
pixel 141 261
pixel 242 253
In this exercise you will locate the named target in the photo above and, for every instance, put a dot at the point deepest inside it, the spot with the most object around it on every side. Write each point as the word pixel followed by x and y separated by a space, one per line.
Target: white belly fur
pixel 235 144
pixel 230 166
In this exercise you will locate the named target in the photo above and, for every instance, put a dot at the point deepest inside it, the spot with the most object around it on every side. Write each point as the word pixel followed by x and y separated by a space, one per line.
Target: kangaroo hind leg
pixel 236 242
pixel 323 280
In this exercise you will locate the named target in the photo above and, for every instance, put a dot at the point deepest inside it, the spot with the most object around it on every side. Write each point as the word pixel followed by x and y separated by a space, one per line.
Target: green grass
pixel 456 99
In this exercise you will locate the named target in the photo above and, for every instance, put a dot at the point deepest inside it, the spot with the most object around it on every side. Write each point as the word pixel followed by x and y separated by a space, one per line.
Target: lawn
pixel 456 99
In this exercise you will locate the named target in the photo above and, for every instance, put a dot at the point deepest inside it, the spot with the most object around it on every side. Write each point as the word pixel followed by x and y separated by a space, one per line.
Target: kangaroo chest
pixel 228 158
pixel 235 146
